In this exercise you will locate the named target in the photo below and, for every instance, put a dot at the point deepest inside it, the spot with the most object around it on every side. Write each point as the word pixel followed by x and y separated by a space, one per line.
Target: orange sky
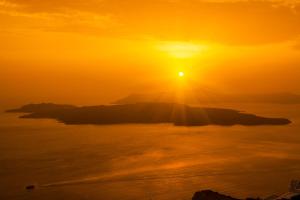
pixel 89 52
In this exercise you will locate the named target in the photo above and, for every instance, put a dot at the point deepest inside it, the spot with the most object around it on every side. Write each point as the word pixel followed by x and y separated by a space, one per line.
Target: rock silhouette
pixel 211 195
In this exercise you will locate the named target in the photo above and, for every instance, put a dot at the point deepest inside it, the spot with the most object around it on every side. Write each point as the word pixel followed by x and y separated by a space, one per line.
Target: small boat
pixel 30 187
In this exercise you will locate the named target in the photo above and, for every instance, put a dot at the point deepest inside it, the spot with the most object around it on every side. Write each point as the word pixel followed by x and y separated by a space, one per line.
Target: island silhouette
pixel 145 113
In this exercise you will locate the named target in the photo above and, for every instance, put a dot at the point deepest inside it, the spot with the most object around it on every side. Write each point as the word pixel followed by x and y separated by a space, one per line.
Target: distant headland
pixel 204 97
pixel 145 113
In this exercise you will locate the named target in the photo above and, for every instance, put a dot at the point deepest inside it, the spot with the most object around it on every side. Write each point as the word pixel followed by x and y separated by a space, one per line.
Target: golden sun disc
pixel 180 74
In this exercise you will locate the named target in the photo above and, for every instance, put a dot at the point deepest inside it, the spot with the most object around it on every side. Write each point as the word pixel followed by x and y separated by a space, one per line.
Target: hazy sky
pixel 90 51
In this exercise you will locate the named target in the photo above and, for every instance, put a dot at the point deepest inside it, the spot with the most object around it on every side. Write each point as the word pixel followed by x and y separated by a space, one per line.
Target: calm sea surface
pixel 158 162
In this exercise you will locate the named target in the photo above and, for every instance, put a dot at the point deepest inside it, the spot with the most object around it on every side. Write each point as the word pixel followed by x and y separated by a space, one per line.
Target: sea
pixel 148 162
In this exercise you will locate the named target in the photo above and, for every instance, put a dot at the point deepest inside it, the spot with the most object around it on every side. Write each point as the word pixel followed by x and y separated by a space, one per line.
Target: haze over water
pixel 148 161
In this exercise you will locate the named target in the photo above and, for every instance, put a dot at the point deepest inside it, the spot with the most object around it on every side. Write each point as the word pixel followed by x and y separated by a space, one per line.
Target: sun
pixel 181 74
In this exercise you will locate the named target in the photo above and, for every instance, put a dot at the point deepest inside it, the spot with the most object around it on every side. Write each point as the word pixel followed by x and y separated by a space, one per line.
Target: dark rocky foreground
pixel 211 195
pixel 146 113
